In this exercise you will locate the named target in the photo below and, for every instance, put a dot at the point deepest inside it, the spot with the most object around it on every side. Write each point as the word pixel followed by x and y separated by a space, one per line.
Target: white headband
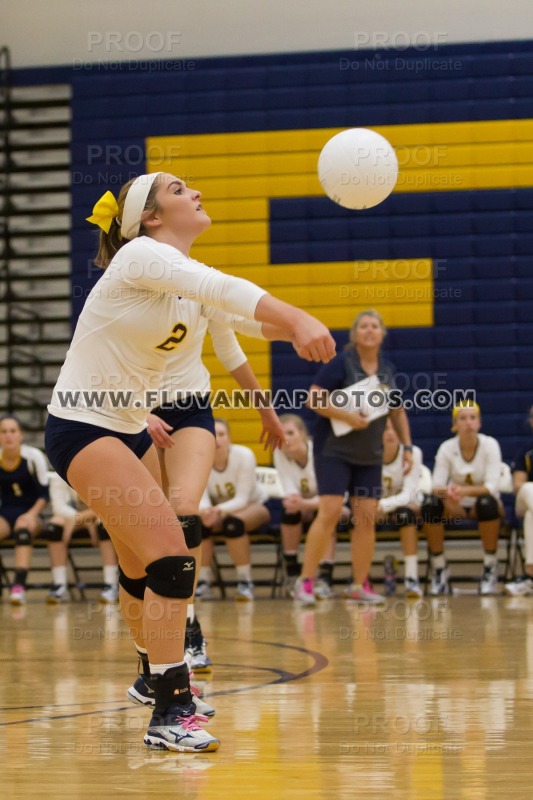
pixel 135 203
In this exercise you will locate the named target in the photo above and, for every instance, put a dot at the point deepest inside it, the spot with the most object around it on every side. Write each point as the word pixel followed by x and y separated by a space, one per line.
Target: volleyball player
pixel 23 498
pixel 103 449
pixel 400 503
pixel 232 506
pixel 70 515
pixel 465 486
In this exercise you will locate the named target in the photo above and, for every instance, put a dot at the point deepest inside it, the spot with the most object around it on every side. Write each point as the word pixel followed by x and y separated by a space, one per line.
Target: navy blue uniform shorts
pixel 336 476
pixel 192 412
pixel 64 438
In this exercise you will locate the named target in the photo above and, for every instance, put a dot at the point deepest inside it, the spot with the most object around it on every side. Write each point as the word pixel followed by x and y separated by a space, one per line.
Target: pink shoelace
pixel 191 723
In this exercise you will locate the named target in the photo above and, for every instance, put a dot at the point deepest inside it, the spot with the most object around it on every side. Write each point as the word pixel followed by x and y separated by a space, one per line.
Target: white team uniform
pixel 128 329
pixel 235 487
pixel 294 478
pixel 185 371
pixel 399 489
pixel 63 499
pixel 483 470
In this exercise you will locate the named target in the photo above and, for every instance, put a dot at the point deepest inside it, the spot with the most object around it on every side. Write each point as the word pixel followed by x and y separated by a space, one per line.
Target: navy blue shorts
pixel 192 412
pixel 64 438
pixel 12 513
pixel 336 476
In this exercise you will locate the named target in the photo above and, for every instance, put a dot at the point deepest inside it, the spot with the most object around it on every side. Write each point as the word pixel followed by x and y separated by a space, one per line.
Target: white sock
pixel 528 537
pixel 160 669
pixel 489 559
pixel 205 575
pixel 410 564
pixel 111 575
pixel 190 612
pixel 438 562
pixel 244 573
pixel 59 576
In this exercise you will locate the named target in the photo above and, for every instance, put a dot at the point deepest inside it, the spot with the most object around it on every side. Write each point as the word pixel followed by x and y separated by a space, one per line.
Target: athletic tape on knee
pixel 102 533
pixel 192 529
pixel 53 532
pixel 432 510
pixel 133 586
pixel 405 516
pixel 487 508
pixel 22 536
pixel 233 528
pixel 291 519
pixel 172 576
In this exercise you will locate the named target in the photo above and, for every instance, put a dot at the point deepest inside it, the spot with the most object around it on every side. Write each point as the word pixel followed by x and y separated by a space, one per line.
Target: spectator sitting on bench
pixel 23 497
pixel 522 469
pixel 233 504
pixel 465 486
pixel 69 515
pixel 296 469
pixel 400 504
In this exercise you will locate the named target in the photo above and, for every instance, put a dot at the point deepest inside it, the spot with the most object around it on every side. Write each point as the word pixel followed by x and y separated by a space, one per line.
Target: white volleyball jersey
pixel 234 487
pixel 63 499
pixel 483 470
pixel 185 370
pixel 399 489
pixel 128 330
pixel 294 478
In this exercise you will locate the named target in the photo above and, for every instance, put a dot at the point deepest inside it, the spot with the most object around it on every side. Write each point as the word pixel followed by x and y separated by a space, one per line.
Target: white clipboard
pixel 356 398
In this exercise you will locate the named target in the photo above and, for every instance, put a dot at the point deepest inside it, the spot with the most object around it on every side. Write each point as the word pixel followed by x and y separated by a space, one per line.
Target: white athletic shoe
pixel 440 582
pixel 109 594
pixel 58 594
pixel 322 590
pixel 245 592
pixel 489 580
pixel 520 586
pixel 412 588
pixel 304 592
pixel 179 730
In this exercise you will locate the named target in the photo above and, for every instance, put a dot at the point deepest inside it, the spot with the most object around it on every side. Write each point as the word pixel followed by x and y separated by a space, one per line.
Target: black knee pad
pixel 172 576
pixel 233 528
pixel 432 510
pixel 102 533
pixel 291 519
pixel 487 508
pixel 206 533
pixel 192 529
pixel 405 516
pixel 133 586
pixel 53 532
pixel 22 536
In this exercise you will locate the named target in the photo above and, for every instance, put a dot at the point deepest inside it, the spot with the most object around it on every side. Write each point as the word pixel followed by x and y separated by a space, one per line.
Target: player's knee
pixel 53 532
pixel 133 586
pixel 206 532
pixel 291 519
pixel 487 508
pixel 103 535
pixel 22 537
pixel 192 529
pixel 405 516
pixel 172 576
pixel 432 510
pixel 233 528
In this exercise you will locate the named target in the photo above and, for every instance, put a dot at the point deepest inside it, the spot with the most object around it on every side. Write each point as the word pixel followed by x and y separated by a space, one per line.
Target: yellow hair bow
pixel 104 212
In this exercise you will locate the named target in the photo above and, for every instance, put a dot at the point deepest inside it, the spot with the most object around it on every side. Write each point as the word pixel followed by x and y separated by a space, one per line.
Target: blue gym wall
pixel 482 327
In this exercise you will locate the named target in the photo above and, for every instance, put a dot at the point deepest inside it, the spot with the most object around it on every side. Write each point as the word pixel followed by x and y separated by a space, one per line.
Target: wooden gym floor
pixel 425 700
